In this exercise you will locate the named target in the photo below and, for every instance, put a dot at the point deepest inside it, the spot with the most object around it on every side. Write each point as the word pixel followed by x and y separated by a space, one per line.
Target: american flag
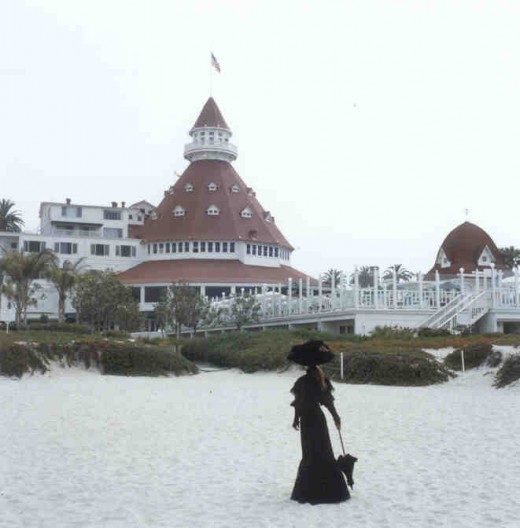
pixel 214 63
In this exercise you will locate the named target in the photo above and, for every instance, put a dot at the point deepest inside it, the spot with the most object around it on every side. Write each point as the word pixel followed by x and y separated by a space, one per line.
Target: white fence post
pixel 341 364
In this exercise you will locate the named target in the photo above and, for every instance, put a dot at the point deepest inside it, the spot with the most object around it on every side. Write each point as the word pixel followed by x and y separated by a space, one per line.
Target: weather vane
pixel 466 212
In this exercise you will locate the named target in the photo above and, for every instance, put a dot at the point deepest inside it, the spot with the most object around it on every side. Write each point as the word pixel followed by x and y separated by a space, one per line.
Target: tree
pixel 401 273
pixel 64 279
pixel 104 302
pixel 244 310
pixel 181 306
pixel 10 220
pixel 332 275
pixel 365 276
pixel 21 270
pixel 511 256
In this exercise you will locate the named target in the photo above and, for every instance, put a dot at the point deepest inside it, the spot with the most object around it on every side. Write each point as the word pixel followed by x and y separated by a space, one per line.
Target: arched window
pixel 179 211
pixel 213 210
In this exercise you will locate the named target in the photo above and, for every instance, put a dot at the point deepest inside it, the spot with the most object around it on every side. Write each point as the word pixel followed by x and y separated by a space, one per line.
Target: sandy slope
pixel 216 450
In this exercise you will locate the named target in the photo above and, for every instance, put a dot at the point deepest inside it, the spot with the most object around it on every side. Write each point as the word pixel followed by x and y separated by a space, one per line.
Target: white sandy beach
pixel 78 449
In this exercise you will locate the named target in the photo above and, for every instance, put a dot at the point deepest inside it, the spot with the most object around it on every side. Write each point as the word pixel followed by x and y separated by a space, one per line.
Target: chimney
pixel 114 204
pixel 67 201
pixel 122 205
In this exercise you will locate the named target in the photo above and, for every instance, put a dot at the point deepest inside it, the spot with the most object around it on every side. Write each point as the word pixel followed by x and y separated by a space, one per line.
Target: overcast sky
pixel 366 127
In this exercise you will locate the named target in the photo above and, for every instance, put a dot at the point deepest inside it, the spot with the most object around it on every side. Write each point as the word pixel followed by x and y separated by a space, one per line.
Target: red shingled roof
pixel 210 116
pixel 197 224
pixel 209 271
pixel 463 247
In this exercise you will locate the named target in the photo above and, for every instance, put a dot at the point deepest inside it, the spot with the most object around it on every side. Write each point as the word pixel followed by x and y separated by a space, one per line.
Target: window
pixel 155 249
pixel 265 251
pixel 148 249
pixel 139 218
pixel 100 250
pixel 154 293
pixel 276 252
pixel 254 249
pixel 268 217
pixel 71 212
pixel 246 213
pixel 210 247
pixel 203 247
pixel 130 217
pixel 270 251
pixel 212 187
pixel 195 247
pixel 65 248
pixel 167 247
pixel 217 247
pixel 186 247
pixel 188 187
pixel 14 245
pixel 111 215
pixel 174 247
pixel 33 246
pixel 126 251
pixel 179 211
pixel 235 189
pixel 231 247
pixel 224 247
pixel 111 232
pixel 161 248
pixel 248 249
pixel 212 210
pixel 180 247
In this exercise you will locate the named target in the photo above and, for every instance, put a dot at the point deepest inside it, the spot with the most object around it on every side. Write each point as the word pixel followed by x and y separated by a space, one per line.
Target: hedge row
pixel 110 357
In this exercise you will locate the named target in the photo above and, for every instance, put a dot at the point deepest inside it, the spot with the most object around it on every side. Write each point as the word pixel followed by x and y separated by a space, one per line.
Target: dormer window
pixel 268 217
pixel 443 260
pixel 213 210
pixel 188 187
pixel 179 211
pixel 246 213
pixel 235 189
pixel 212 187
pixel 486 257
pixel 153 215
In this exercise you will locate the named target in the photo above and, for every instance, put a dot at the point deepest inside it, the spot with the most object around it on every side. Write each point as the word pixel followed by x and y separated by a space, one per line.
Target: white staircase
pixel 464 310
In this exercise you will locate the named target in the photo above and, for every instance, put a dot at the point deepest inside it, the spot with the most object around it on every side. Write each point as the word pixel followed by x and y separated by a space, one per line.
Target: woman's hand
pixel 296 424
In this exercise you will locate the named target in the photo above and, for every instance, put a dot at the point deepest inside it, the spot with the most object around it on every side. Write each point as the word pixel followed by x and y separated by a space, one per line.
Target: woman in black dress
pixel 319 478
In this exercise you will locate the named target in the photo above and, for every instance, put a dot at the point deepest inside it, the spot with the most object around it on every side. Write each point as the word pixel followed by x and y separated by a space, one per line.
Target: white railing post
pixel 385 296
pixel 394 286
pixel 437 290
pixel 375 271
pixel 421 290
pixel 320 293
pixel 517 285
pixel 493 285
pixel 461 271
pixel 300 295
pixel 477 281
pixel 289 295
pixel 341 364
pixel 356 287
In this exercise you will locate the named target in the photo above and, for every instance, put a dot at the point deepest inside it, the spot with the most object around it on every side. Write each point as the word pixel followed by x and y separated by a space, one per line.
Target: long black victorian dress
pixel 319 478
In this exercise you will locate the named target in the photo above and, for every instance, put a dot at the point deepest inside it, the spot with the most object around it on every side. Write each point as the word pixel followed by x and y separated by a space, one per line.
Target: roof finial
pixel 466 212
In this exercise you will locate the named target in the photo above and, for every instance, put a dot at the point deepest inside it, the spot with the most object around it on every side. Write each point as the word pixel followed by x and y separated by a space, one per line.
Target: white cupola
pixel 210 136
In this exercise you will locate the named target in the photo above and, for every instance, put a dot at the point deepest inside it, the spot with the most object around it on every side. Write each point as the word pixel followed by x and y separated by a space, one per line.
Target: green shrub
pixel 391 332
pixel 54 326
pixel 474 356
pixel 17 359
pixel 509 372
pixel 433 332
pixel 143 361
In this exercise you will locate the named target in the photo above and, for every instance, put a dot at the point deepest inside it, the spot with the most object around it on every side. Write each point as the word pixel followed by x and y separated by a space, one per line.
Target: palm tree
pixel 332 275
pixel 9 220
pixel 64 280
pixel 21 270
pixel 365 276
pixel 401 273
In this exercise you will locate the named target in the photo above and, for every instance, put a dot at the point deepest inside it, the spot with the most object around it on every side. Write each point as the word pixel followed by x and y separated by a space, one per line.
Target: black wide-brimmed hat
pixel 310 353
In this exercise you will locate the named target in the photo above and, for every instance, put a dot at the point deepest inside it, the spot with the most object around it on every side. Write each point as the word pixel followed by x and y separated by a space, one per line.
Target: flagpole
pixel 210 79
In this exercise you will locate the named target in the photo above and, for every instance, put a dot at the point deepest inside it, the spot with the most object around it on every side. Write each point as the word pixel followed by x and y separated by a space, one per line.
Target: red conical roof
pixel 463 247
pixel 196 224
pixel 210 116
